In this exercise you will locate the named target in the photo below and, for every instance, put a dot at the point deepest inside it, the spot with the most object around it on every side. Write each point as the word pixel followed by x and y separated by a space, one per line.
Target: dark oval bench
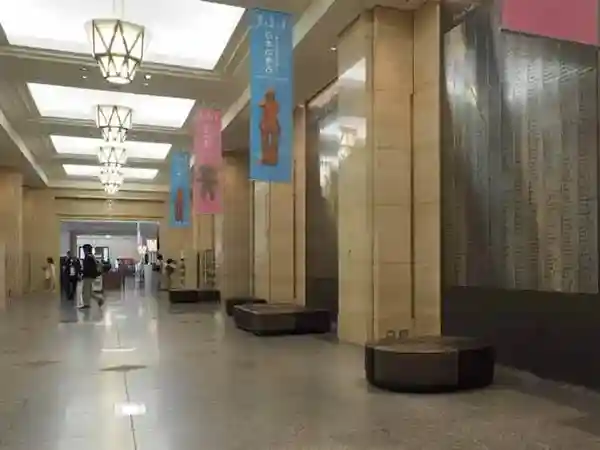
pixel 231 303
pixel 430 364
pixel 185 295
pixel 271 319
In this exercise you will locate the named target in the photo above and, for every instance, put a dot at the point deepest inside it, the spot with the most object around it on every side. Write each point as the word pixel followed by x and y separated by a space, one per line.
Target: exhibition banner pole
pixel 208 160
pixel 180 202
pixel 271 96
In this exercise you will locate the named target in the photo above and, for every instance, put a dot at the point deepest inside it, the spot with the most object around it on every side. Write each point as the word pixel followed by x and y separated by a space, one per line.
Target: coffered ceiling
pixel 197 55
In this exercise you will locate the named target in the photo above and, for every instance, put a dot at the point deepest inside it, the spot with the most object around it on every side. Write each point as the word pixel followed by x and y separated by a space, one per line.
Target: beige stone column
pixel 278 230
pixel 11 230
pixel 300 222
pixel 427 170
pixel 381 58
pixel 274 243
pixel 39 243
pixel 232 229
pixel 203 240
pixel 175 243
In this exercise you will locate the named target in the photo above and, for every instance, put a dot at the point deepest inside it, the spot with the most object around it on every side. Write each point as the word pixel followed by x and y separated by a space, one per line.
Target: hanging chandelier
pixel 114 122
pixel 111 179
pixel 112 157
pixel 117 47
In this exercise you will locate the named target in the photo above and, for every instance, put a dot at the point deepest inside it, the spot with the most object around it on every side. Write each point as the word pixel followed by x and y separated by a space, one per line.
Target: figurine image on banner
pixel 270 130
pixel 179 198
pixel 179 206
pixel 209 182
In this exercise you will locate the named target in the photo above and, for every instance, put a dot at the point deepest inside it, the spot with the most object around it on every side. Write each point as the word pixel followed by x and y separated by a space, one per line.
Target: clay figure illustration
pixel 179 206
pixel 209 182
pixel 270 129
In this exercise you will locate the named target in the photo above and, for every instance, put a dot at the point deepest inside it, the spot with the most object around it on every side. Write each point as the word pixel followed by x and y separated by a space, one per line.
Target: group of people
pixel 75 270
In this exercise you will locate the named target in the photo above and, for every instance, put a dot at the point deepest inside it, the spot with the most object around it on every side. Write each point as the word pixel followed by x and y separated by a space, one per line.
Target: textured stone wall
pixel 520 160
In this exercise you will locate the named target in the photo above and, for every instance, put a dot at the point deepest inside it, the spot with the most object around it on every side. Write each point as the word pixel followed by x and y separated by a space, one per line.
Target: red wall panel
pixel 568 20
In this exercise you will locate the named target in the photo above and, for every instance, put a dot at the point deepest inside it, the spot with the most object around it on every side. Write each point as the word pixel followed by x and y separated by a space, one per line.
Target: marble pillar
pixel 11 230
pixel 232 229
pixel 387 226
pixel 427 169
pixel 39 207
pixel 204 247
pixel 178 243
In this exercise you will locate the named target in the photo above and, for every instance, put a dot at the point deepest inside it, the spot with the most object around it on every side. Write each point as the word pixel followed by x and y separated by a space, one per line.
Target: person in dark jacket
pixel 71 273
pixel 89 273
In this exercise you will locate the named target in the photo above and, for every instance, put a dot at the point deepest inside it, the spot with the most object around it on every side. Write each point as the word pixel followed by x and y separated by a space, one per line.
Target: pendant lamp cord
pixel 122 9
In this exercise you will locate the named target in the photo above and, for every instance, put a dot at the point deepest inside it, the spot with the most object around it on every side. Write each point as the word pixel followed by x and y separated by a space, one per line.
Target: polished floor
pixel 147 376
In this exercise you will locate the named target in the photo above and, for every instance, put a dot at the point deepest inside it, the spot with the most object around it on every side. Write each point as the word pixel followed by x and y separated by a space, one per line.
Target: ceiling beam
pixel 92 185
pixel 84 60
pixel 20 144
pixel 96 194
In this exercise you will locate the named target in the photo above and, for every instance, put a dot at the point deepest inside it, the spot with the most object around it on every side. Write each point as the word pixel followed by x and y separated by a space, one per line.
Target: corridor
pixel 149 376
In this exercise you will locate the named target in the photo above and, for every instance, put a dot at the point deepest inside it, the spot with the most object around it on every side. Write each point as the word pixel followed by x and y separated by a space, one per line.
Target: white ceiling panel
pixel 130 173
pixel 189 33
pixel 78 103
pixel 71 145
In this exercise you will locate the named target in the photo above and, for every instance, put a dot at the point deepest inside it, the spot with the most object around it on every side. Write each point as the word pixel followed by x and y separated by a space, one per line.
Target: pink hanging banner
pixel 207 195
pixel 567 20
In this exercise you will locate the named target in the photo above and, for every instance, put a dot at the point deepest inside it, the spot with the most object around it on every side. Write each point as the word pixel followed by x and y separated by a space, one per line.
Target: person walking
pixel 89 273
pixel 50 275
pixel 72 272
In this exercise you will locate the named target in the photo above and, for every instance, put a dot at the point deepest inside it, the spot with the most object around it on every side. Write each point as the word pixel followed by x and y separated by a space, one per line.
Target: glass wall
pixel 322 145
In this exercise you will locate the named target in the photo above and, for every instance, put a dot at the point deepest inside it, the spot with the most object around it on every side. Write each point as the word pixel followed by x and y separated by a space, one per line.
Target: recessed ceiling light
pixel 79 103
pixel 333 49
pixel 145 84
pixel 130 173
pixel 147 76
pixel 72 145
pixel 124 349
pixel 84 77
pixel 118 349
pixel 83 69
pixel 130 409
pixel 179 21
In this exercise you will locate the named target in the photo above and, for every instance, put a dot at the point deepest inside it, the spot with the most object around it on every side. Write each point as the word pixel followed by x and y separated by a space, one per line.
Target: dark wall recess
pixel 550 334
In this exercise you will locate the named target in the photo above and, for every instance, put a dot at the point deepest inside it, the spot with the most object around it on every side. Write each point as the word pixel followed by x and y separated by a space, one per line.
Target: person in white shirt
pixel 50 275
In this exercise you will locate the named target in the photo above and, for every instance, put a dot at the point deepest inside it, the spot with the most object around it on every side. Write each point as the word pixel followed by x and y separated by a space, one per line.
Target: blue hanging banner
pixel 271 96
pixel 180 195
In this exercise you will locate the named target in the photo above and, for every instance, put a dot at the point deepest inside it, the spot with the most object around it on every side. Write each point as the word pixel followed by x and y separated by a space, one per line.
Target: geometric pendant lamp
pixel 117 47
pixel 111 179
pixel 114 122
pixel 113 157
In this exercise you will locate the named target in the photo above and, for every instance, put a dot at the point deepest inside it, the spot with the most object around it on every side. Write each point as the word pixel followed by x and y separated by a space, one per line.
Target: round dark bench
pixel 182 295
pixel 278 319
pixel 209 295
pixel 185 295
pixel 430 364
pixel 231 303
